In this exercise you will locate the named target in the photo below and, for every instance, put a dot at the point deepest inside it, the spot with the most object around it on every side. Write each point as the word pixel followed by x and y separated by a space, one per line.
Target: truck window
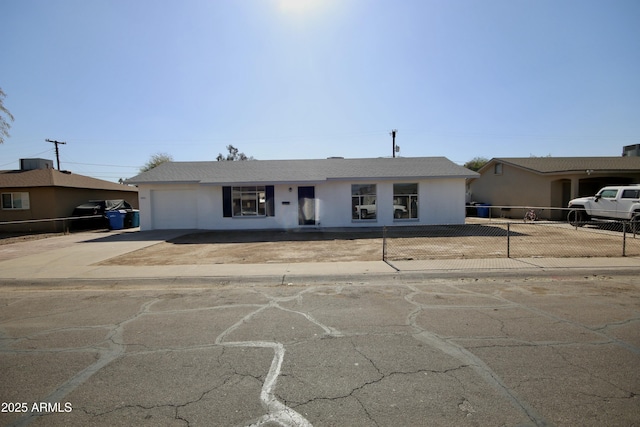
pixel 631 194
pixel 608 194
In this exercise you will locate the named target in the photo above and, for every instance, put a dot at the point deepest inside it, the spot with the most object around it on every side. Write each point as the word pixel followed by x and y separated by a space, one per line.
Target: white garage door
pixel 173 209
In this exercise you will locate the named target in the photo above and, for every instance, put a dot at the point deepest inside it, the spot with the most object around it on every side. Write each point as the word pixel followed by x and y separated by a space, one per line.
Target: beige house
pixel 547 181
pixel 38 191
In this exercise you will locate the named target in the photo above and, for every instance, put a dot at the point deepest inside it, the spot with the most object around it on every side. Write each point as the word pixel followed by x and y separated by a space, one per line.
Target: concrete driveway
pixel 516 351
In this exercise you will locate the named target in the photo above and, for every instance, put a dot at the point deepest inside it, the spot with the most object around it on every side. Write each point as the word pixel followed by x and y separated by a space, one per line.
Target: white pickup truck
pixel 615 202
pixel 369 211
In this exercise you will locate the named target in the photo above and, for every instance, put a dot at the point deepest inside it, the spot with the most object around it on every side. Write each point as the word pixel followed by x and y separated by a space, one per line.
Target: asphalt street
pixel 515 350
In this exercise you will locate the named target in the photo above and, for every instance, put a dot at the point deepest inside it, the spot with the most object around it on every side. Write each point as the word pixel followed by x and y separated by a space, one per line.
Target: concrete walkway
pixel 75 256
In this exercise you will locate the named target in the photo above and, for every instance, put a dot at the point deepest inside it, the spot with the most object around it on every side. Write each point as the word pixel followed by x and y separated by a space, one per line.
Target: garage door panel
pixel 174 209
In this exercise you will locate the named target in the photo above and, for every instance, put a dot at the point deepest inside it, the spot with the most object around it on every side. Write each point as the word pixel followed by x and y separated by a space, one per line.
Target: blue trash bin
pixel 135 221
pixel 116 220
pixel 483 210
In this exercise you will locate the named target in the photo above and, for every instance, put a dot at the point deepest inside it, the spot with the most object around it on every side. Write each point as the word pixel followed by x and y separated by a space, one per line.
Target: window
pixel 248 201
pixel 608 194
pixel 17 201
pixel 405 201
pixel 363 201
pixel 631 194
pixel 497 169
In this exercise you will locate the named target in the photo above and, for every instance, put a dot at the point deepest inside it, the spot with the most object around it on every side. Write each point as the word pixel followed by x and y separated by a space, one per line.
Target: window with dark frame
pixel 405 201
pixel 15 201
pixel 363 202
pixel 248 201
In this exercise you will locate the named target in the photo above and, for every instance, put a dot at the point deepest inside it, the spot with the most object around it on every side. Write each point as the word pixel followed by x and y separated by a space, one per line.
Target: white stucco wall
pixel 441 201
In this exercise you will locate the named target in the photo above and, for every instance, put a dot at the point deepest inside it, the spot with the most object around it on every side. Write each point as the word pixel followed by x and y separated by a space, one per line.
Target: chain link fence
pixel 52 225
pixel 479 237
pixel 502 238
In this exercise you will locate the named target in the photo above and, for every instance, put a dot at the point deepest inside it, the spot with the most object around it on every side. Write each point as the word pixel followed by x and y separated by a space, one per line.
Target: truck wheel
pixel 576 217
pixel 364 213
pixel 397 214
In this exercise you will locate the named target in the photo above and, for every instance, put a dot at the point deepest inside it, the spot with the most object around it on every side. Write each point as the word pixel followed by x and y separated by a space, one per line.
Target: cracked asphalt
pixel 503 351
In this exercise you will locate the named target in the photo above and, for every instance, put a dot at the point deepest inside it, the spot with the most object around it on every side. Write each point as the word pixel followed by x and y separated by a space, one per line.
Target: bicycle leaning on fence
pixel 530 215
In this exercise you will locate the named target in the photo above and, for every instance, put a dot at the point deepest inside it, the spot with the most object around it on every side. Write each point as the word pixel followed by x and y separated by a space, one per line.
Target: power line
pixel 96 164
pixel 29 156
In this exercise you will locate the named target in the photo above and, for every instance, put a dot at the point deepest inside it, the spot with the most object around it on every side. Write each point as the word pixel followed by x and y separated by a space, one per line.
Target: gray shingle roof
pixel 572 164
pixel 290 171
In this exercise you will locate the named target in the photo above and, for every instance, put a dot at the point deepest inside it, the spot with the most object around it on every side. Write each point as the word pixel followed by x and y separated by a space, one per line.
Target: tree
pixel 476 163
pixel 233 155
pixel 155 160
pixel 4 124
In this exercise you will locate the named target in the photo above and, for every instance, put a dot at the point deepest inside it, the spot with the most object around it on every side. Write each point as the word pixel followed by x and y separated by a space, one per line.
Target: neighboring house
pixel 287 194
pixel 38 191
pixel 549 181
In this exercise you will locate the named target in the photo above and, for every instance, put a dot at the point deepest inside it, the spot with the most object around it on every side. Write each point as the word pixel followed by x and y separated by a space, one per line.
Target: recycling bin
pixel 483 210
pixel 116 220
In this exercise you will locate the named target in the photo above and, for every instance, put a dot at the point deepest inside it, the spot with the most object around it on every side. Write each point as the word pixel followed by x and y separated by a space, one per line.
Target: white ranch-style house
pixel 290 194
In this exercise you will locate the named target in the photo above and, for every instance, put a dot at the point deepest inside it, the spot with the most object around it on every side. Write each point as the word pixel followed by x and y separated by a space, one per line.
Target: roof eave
pixel 134 182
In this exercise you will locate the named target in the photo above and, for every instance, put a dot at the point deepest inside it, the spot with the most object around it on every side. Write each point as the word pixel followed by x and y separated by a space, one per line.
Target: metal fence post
pixel 508 240
pixel 384 243
pixel 624 238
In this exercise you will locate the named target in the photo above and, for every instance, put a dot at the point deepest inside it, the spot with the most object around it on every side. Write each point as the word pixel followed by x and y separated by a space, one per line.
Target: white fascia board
pixel 404 178
pixel 162 182
pixel 246 183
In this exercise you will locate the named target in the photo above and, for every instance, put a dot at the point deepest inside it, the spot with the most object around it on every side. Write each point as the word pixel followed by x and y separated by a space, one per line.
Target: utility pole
pixel 393 137
pixel 57 153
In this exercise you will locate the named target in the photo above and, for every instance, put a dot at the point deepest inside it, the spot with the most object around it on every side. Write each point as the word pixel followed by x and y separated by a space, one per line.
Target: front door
pixel 306 206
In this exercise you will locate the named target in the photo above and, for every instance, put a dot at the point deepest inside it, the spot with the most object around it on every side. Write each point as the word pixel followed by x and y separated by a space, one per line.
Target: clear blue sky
pixel 288 79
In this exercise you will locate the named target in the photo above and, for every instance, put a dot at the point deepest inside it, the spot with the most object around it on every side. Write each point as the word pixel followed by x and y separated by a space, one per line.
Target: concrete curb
pixel 191 282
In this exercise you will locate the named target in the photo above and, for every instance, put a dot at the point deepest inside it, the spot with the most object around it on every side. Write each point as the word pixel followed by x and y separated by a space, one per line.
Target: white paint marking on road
pixel 278 412
pixel 115 350
pixel 233 327
pixel 453 349
pixel 327 329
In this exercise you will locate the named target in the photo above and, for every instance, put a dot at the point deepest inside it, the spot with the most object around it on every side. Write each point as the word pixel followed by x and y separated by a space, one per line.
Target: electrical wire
pixel 96 164
pixel 26 157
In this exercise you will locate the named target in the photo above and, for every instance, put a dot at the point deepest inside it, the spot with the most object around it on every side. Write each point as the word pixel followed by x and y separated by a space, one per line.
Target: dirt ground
pixel 472 240
pixel 9 238
pixel 257 247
